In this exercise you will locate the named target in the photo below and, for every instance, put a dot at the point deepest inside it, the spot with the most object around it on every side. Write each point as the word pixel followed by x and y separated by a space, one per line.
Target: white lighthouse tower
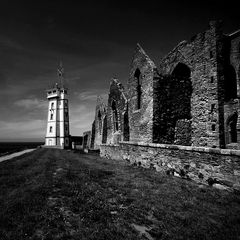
pixel 57 134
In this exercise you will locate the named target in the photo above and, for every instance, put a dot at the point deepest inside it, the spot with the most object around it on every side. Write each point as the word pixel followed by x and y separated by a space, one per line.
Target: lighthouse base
pixel 58 142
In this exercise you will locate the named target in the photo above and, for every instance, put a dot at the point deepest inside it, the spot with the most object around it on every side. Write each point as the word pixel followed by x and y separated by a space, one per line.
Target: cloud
pixel 90 95
pixel 81 118
pixel 87 95
pixel 82 109
pixel 29 103
pixel 76 109
pixel 9 43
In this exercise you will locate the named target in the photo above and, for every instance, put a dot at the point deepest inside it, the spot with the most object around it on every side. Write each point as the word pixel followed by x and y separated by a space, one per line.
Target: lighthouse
pixel 57 133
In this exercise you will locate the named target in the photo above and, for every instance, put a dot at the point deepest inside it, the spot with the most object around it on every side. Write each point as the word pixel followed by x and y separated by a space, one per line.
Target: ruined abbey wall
pixel 179 117
pixel 117 111
pixel 190 100
pixel 98 125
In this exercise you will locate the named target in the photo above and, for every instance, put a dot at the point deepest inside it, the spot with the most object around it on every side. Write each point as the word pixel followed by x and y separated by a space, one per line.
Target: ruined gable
pixel 203 57
pixel 117 114
pixel 100 114
pixel 140 96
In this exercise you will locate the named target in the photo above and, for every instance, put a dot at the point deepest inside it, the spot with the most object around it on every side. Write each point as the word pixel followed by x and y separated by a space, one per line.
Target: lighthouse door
pixel 50 142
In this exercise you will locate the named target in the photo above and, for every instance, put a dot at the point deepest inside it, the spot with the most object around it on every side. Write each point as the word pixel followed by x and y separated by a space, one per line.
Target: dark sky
pixel 95 41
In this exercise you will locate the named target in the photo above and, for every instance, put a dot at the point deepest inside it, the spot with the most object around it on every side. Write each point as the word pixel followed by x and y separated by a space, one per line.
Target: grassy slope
pixel 56 194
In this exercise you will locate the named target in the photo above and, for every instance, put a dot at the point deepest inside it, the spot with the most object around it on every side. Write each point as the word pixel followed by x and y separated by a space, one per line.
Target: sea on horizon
pixel 11 147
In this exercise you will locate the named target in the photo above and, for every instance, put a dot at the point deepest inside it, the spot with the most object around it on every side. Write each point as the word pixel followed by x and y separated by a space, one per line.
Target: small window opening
pixel 211 54
pixel 213 127
pixel 212 79
pixel 50 129
pixel 212 107
pixel 51 117
pixel 204 68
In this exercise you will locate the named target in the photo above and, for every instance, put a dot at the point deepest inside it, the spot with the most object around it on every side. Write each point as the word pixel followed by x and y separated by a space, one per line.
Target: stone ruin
pixel 191 99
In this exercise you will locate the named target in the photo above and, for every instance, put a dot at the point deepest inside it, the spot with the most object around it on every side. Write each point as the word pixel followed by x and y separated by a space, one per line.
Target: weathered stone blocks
pixel 203 165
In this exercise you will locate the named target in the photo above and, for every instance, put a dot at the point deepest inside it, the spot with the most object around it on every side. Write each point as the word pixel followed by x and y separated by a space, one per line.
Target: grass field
pixel 58 194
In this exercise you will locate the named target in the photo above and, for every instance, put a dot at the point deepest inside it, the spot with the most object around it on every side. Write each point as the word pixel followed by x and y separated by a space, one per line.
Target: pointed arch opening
pixel 137 76
pixel 126 126
pixel 114 116
pixel 99 122
pixel 181 71
pixel 230 83
pixel 93 135
pixel 172 107
pixel 104 133
pixel 182 92
pixel 232 128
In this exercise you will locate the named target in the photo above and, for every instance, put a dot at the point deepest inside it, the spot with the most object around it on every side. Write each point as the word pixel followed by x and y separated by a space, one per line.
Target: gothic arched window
pixel 137 76
pixel 126 126
pixel 181 71
pixel 104 132
pixel 232 128
pixel 100 122
pixel 115 116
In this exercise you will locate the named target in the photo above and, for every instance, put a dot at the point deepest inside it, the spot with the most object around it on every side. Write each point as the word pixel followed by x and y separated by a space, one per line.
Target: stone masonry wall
pixel 204 165
pixel 141 120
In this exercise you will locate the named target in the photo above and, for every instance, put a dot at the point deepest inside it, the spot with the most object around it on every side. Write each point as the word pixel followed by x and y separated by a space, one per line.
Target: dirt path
pixel 10 156
pixel 59 194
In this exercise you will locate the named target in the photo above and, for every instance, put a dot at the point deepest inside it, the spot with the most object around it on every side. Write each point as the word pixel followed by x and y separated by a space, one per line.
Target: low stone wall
pixel 217 167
